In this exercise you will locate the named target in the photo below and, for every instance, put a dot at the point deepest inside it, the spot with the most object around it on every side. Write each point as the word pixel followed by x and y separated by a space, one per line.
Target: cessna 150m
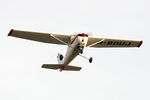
pixel 75 43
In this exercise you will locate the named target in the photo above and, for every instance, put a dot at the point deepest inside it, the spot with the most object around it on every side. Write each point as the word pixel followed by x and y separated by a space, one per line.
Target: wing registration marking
pixel 115 43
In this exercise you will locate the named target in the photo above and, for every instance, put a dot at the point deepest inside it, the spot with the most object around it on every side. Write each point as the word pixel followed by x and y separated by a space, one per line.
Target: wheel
pixel 78 46
pixel 81 51
pixel 61 57
pixel 90 60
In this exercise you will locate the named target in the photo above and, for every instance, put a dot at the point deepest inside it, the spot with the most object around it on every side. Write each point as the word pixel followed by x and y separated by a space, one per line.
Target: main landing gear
pixel 90 59
pixel 81 52
pixel 61 57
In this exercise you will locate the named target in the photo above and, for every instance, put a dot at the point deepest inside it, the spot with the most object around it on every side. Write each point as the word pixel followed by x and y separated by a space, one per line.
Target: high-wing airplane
pixel 75 43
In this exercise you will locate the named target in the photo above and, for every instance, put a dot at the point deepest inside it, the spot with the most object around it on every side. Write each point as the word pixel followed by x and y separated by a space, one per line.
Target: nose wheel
pixel 90 60
pixel 81 51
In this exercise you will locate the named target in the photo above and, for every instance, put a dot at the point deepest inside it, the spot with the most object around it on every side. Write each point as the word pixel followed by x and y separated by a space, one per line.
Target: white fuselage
pixel 76 45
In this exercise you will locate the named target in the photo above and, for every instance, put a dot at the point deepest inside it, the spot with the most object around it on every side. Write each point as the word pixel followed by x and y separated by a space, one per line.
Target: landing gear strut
pixel 81 48
pixel 90 59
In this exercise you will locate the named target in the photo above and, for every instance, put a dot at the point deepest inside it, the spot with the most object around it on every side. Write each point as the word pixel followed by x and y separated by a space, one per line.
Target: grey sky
pixel 115 74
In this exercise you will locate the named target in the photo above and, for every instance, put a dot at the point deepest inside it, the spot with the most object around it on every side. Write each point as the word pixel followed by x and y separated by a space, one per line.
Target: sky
pixel 114 74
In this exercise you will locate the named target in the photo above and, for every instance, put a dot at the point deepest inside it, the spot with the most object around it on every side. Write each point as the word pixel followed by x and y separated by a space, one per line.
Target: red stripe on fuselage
pixel 74 39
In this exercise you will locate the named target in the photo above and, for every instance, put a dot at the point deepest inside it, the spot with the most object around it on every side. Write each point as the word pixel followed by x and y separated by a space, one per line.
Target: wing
pixel 41 37
pixel 105 42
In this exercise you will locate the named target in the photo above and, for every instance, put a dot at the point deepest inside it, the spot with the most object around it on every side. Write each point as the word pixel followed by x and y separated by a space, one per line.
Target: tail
pixel 59 65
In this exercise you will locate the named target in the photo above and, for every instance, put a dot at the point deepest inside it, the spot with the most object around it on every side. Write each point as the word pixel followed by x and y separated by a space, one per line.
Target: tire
pixel 61 57
pixel 90 60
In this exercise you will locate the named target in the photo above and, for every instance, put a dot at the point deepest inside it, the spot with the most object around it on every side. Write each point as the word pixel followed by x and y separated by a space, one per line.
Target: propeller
pixel 88 33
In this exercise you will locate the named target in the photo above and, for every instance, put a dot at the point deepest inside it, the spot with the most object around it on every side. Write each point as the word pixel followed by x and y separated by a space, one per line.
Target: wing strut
pixel 96 43
pixel 58 39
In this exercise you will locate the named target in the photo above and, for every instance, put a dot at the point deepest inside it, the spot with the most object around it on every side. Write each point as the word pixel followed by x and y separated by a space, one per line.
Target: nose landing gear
pixel 81 51
pixel 81 48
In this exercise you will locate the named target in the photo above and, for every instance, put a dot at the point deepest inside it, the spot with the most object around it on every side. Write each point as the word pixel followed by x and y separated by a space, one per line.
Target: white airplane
pixel 76 45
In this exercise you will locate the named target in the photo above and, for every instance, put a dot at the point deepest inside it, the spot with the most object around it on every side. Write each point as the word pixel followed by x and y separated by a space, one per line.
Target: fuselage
pixel 75 47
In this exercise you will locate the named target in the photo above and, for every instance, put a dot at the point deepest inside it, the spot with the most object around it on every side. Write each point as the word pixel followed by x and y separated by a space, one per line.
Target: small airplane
pixel 75 43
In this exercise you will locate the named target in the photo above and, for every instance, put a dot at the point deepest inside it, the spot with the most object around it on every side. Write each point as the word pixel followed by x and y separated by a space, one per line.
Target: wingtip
pixel 140 43
pixel 9 34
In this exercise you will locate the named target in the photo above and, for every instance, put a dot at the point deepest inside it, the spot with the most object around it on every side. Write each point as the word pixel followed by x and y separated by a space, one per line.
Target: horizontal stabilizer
pixel 72 68
pixel 57 66
pixel 51 66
